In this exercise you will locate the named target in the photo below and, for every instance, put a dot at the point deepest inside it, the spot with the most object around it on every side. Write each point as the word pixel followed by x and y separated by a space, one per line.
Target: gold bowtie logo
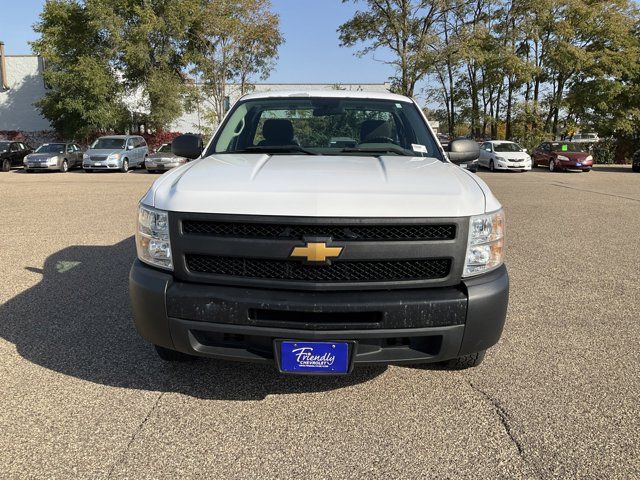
pixel 316 252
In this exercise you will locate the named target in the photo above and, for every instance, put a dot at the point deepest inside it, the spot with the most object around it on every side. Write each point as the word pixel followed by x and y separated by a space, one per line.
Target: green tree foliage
pixel 529 69
pixel 108 59
pixel 83 91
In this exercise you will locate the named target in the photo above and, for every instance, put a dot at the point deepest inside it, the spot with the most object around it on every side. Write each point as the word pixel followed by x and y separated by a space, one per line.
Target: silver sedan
pixel 163 159
pixel 54 156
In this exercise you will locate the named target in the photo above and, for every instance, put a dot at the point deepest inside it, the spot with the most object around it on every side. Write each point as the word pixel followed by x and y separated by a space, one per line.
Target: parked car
pixel 275 248
pixel 54 156
pixel 563 156
pixel 504 155
pixel 116 152
pixel 585 138
pixel 12 154
pixel 635 163
pixel 163 159
pixel 471 165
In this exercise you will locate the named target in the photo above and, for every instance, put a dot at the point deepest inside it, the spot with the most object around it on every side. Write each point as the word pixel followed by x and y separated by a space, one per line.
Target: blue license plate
pixel 578 164
pixel 314 357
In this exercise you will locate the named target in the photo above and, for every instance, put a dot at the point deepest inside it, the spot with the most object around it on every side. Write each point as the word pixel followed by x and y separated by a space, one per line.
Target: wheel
pixel 466 361
pixel 586 170
pixel 64 168
pixel 28 170
pixel 88 170
pixel 492 167
pixel 125 166
pixel 552 166
pixel 151 171
pixel 6 165
pixel 172 356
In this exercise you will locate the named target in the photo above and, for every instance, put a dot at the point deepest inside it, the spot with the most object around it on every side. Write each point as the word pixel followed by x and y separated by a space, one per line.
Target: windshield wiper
pixel 276 149
pixel 388 149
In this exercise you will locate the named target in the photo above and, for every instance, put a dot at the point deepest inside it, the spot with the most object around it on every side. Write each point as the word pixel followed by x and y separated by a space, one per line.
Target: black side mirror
pixel 463 151
pixel 187 146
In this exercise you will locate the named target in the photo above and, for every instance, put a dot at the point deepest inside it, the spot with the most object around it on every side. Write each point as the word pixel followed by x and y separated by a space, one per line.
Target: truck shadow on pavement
pixel 77 321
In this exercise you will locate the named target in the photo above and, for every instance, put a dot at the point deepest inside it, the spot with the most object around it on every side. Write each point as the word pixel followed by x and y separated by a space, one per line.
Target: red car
pixel 562 156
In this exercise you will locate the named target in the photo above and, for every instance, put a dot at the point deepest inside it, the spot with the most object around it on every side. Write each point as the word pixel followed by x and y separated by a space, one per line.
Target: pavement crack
pixel 624 197
pixel 134 435
pixel 503 416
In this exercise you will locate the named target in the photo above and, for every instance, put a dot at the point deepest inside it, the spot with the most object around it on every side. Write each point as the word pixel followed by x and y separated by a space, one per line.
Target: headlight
pixel 563 158
pixel 485 247
pixel 152 237
pixel 85 156
pixel 588 159
pixel 501 159
pixel 114 156
pixel 52 160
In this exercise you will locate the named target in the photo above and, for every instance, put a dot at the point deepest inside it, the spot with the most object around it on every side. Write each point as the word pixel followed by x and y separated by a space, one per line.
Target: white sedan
pixel 503 155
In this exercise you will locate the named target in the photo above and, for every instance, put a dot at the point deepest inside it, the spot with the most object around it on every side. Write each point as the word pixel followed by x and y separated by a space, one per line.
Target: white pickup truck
pixel 280 244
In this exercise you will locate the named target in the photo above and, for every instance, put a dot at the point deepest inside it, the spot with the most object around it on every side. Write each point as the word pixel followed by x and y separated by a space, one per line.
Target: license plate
pixel 314 357
pixel 578 164
pixel 98 164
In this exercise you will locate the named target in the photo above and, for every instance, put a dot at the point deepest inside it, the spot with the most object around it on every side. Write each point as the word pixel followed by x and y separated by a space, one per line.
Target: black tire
pixel 64 168
pixel 492 167
pixel 552 166
pixel 6 165
pixel 28 170
pixel 125 166
pixel 88 170
pixel 464 362
pixel 586 170
pixel 173 356
pixel 635 168
pixel 151 171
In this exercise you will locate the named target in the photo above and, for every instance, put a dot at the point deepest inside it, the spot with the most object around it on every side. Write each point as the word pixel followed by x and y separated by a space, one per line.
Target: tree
pixel 405 28
pixel 83 94
pixel 232 41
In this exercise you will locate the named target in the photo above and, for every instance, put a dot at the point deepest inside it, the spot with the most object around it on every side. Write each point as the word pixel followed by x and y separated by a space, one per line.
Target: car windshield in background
pixel 165 148
pixel 4 146
pixel 507 147
pixel 325 126
pixel 51 148
pixel 108 144
pixel 567 147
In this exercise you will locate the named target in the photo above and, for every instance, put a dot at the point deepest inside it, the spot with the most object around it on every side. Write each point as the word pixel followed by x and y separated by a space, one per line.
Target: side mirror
pixel 188 146
pixel 463 151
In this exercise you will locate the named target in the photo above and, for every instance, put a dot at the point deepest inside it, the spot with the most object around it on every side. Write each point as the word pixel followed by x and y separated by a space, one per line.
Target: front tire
pixel 28 170
pixel 6 165
pixel 552 166
pixel 465 361
pixel 172 355
pixel 492 167
pixel 64 168
pixel 125 166
pixel 88 170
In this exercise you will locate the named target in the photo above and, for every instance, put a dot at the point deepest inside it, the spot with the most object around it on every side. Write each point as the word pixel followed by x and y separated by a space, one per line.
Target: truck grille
pixel 357 271
pixel 388 233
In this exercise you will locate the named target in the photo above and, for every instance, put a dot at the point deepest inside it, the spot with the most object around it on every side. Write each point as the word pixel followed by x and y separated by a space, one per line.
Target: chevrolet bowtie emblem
pixel 316 252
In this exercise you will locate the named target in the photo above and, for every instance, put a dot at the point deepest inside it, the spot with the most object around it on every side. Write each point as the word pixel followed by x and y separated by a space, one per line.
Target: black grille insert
pixel 282 231
pixel 357 271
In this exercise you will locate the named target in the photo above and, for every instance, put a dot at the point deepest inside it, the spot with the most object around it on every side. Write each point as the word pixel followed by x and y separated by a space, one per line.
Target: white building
pixel 22 84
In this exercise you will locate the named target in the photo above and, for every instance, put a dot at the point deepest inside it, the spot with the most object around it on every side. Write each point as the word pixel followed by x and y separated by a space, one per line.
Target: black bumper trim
pixel 174 315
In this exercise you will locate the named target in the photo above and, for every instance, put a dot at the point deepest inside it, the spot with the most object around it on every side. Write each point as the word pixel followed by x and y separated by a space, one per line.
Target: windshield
pixel 567 147
pixel 109 144
pixel 51 148
pixel 507 147
pixel 166 148
pixel 327 126
pixel 4 146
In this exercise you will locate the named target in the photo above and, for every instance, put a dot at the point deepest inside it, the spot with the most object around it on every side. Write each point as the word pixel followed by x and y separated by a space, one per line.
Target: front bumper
pixel 41 166
pixel 161 166
pixel 520 166
pixel 102 165
pixel 393 326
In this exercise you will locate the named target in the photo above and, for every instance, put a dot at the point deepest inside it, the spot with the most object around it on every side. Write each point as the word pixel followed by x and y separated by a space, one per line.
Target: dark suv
pixel 12 154
pixel 635 166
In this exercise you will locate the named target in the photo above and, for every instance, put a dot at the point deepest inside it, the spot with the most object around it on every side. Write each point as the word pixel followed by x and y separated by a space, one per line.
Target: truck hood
pixel 322 186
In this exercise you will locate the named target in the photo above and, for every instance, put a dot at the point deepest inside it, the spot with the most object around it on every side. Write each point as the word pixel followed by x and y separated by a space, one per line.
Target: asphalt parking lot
pixel 82 396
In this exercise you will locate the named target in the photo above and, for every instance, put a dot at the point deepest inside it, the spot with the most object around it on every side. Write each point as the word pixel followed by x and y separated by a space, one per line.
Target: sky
pixel 310 54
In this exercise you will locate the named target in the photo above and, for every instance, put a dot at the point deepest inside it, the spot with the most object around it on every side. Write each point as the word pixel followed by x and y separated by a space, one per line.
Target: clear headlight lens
pixel 152 237
pixel 589 158
pixel 562 157
pixel 85 156
pixel 114 156
pixel 53 160
pixel 501 159
pixel 485 247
